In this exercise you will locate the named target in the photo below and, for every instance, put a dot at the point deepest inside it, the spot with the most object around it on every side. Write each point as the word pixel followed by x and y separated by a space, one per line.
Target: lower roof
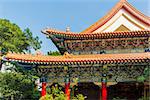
pixel 69 59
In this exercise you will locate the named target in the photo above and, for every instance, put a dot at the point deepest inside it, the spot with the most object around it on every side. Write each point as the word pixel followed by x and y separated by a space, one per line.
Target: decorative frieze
pixel 107 45
pixel 94 73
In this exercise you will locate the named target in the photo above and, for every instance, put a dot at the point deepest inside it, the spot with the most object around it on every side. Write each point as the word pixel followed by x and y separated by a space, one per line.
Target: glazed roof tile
pixel 69 58
pixel 141 33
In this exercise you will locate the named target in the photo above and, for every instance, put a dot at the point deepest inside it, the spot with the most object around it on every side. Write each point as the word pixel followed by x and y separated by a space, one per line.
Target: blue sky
pixel 58 14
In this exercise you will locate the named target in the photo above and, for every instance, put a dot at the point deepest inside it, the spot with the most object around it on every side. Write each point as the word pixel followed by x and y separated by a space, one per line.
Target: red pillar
pixel 67 90
pixel 104 91
pixel 43 92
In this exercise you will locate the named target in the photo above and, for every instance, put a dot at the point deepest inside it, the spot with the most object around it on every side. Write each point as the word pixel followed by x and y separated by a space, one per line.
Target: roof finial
pixel 67 55
pixel 38 52
pixel 68 29
pixel 123 0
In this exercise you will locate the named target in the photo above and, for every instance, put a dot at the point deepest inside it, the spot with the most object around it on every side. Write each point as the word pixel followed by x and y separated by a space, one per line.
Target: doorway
pixel 88 89
pixel 125 91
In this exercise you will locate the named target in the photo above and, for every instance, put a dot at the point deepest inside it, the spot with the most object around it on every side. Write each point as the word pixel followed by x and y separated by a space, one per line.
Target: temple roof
pixel 128 23
pixel 122 4
pixel 69 59
pixel 71 35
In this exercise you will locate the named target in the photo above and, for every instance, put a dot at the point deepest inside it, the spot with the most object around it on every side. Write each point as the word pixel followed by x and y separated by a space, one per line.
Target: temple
pixel 103 61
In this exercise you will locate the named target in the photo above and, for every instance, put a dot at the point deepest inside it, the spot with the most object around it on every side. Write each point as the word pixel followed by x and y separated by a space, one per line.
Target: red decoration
pixel 43 92
pixel 67 90
pixel 104 91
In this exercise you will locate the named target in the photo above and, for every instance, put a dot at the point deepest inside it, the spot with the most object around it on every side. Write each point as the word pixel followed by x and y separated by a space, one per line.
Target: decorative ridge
pixel 52 31
pixel 139 33
pixel 56 31
pixel 123 0
pixel 137 11
pixel 67 55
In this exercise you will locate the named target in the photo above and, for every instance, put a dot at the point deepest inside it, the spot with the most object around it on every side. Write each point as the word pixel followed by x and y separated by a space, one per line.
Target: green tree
pixel 12 38
pixel 145 76
pixel 18 83
pixel 16 86
pixel 53 53
pixel 34 42
pixel 55 93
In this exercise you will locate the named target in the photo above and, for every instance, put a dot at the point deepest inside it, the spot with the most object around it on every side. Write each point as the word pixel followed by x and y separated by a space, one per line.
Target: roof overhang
pixel 69 59
pixel 100 35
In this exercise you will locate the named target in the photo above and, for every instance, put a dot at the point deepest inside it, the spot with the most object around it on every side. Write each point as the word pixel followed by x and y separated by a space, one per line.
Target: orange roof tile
pixel 120 34
pixel 122 4
pixel 72 59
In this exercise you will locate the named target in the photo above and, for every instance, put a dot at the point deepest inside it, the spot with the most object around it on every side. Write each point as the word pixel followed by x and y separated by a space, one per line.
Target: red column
pixel 104 91
pixel 67 90
pixel 43 92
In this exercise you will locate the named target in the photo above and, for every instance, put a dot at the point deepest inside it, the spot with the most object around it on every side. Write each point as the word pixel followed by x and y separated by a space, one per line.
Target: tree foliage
pixel 145 76
pixel 33 41
pixel 53 53
pixel 17 86
pixel 55 93
pixel 19 83
pixel 12 38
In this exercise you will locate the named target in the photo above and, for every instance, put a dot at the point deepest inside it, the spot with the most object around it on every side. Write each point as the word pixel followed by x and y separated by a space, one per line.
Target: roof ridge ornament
pixel 67 55
pixel 67 29
pixel 123 0
pixel 38 52
pixel 10 52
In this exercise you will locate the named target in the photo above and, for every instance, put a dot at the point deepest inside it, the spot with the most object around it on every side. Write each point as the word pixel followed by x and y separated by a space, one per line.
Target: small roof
pixel 69 59
pixel 121 34
pixel 121 4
